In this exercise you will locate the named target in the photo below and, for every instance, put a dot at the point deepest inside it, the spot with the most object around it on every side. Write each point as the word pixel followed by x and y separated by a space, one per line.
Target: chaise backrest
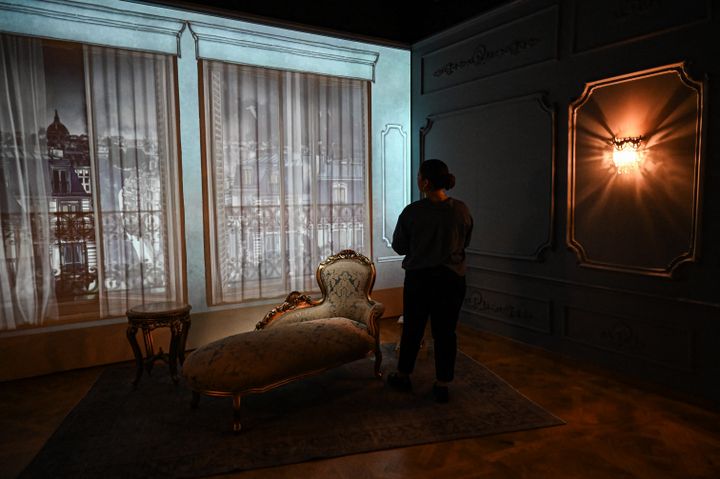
pixel 346 280
pixel 346 277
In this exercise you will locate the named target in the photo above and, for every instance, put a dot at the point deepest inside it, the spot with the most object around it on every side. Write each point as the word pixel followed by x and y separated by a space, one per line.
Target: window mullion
pixel 284 224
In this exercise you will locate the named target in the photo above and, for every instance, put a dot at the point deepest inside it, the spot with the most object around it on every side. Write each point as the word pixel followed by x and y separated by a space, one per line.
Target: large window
pixel 89 204
pixel 287 177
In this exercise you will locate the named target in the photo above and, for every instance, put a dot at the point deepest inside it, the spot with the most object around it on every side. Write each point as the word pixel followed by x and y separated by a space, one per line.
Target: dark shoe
pixel 441 393
pixel 401 383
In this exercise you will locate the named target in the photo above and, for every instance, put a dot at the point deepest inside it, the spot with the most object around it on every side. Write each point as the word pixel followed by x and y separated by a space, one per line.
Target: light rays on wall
pixel 636 216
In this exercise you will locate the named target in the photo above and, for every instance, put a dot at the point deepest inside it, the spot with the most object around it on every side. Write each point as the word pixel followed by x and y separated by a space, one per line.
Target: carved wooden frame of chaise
pixel 298 338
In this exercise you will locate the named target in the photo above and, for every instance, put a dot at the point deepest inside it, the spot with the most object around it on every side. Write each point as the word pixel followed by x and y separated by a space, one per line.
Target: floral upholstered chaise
pixel 300 337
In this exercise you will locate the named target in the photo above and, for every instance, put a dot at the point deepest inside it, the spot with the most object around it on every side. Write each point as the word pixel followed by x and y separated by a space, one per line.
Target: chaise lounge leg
pixel 195 400
pixel 236 414
pixel 378 360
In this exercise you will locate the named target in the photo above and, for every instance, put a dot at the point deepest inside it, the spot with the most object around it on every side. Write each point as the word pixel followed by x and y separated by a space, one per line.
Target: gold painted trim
pixel 294 300
pixel 692 254
pixel 346 254
pixel 377 309
pixel 297 300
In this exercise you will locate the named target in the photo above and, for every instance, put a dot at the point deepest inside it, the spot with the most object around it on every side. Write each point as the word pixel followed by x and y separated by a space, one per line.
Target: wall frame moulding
pixel 390 168
pixel 657 343
pixel 507 176
pixel 270 50
pixel 601 25
pixel 389 259
pixel 100 25
pixel 504 48
pixel 571 283
pixel 521 311
pixel 647 221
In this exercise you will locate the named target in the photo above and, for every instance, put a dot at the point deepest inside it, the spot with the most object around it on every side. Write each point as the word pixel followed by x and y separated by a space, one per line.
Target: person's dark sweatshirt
pixel 432 234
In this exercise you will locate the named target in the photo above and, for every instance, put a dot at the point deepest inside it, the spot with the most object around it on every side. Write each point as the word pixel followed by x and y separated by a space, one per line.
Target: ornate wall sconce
pixel 627 156
pixel 634 202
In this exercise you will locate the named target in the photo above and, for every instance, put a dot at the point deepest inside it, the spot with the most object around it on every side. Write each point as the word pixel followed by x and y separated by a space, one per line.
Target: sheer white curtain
pixel 287 163
pixel 132 103
pixel 26 277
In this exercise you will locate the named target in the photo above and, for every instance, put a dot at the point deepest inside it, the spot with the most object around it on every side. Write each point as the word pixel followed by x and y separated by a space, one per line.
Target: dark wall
pixel 492 98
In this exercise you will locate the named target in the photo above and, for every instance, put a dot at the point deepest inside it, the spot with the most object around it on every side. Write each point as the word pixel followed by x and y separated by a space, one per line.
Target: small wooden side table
pixel 147 317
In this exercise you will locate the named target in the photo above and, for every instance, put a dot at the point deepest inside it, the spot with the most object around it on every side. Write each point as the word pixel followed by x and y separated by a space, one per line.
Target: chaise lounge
pixel 298 338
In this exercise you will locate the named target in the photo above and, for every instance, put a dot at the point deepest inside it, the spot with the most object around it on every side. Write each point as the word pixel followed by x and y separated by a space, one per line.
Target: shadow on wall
pixel 643 216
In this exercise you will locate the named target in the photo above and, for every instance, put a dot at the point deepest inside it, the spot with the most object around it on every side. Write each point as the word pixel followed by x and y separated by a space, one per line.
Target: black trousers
pixel 434 293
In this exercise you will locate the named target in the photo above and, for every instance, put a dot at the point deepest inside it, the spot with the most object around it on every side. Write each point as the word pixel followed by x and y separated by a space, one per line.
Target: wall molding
pixel 506 312
pixel 389 259
pixel 625 22
pixel 608 289
pixel 424 131
pixel 280 51
pixel 161 32
pixel 540 100
pixel 493 50
pixel 387 130
pixel 680 257
pixel 631 337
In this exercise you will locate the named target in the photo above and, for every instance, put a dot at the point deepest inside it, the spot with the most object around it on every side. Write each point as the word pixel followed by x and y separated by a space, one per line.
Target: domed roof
pixel 56 133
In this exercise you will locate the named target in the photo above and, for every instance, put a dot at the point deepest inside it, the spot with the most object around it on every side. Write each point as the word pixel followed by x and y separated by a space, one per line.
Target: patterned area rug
pixel 152 432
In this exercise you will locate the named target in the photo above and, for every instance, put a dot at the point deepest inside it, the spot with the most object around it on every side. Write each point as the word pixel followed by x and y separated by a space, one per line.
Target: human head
pixel 436 174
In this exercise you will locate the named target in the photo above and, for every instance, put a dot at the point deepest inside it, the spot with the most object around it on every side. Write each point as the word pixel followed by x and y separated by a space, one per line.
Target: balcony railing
pixel 134 245
pixel 253 237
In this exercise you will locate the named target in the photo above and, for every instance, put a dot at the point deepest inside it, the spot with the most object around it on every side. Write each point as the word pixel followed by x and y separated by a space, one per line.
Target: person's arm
pixel 401 238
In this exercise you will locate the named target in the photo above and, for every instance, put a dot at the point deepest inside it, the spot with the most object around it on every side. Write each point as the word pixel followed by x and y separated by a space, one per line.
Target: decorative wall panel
pixel 641 218
pixel 604 23
pixel 393 165
pixel 665 345
pixel 521 311
pixel 502 156
pixel 515 44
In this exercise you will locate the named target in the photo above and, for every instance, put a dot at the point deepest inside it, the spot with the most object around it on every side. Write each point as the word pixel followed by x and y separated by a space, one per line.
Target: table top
pixel 160 309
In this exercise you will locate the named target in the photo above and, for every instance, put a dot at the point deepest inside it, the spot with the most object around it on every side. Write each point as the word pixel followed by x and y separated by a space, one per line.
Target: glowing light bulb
pixel 626 156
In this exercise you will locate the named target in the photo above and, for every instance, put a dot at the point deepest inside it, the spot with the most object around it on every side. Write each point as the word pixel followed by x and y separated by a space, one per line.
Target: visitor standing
pixel 432 233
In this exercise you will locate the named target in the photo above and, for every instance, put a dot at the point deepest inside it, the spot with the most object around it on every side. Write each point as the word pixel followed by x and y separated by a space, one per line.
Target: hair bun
pixel 449 181
pixel 437 173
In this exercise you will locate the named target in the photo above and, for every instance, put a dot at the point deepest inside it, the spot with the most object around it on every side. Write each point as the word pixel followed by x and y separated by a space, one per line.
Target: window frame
pixel 209 189
pixel 84 311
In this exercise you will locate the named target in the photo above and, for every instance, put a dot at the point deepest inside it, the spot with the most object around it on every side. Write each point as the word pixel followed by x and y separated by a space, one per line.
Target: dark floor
pixel 614 429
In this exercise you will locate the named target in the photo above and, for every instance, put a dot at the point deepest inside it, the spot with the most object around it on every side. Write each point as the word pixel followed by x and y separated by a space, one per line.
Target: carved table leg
pixel 149 348
pixel 150 316
pixel 183 338
pixel 132 338
pixel 175 335
pixel 236 414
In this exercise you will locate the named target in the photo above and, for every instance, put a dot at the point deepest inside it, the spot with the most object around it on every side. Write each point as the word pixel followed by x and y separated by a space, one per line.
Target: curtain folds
pixel 132 105
pixel 287 166
pixel 90 222
pixel 26 277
